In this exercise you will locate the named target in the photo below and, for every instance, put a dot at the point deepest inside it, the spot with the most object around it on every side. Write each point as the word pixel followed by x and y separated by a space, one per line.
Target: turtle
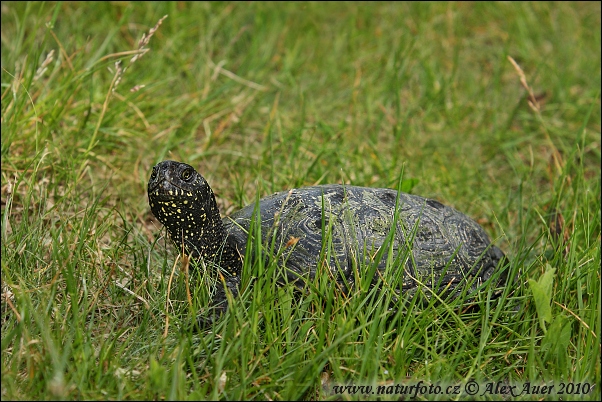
pixel 433 244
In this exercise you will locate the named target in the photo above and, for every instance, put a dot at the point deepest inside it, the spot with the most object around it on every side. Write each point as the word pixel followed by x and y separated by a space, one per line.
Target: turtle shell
pixel 435 244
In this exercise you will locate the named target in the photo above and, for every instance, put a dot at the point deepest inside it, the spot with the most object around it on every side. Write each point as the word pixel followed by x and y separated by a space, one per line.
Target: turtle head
pixel 181 199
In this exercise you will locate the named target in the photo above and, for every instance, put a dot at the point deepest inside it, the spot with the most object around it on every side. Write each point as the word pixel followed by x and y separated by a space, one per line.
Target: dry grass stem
pixel 533 103
pixel 44 66
pixel 218 69
pixel 168 300
pixel 536 107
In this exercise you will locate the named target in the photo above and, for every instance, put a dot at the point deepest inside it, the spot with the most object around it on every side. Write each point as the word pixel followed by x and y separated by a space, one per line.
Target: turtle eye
pixel 186 174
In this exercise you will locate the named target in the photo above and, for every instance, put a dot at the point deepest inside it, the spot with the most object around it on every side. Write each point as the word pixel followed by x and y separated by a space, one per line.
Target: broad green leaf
pixel 408 184
pixel 557 339
pixel 542 295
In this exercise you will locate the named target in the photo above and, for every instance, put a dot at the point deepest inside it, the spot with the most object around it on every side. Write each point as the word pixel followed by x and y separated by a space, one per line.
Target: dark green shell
pixel 445 244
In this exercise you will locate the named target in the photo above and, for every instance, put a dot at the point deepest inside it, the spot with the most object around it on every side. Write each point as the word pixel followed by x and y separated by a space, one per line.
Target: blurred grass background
pixel 262 97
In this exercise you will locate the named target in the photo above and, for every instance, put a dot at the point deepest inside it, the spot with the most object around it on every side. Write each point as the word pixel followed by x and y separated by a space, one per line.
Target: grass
pixel 260 98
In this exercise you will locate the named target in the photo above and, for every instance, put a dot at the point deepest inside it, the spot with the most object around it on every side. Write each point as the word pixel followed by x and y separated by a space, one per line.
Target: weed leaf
pixel 542 295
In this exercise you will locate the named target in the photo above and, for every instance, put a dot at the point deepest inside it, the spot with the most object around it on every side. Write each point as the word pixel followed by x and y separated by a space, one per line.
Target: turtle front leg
pixel 211 315
pixel 219 303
